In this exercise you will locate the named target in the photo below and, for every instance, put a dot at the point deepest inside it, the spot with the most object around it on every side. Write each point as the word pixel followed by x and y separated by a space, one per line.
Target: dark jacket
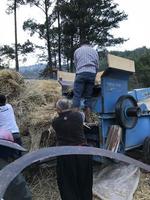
pixel 69 129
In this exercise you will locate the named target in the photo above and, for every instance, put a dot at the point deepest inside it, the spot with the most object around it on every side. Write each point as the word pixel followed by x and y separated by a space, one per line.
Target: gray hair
pixel 63 104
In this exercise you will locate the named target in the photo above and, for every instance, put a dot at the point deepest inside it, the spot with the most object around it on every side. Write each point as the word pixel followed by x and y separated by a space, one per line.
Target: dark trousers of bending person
pixel 74 172
pixel 75 177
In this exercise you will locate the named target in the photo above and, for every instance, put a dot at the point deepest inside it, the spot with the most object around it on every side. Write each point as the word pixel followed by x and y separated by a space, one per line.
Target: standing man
pixel 74 172
pixel 7 119
pixel 86 61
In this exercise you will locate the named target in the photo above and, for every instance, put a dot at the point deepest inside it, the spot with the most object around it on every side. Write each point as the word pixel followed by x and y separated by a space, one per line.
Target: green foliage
pixel 2 64
pixel 43 30
pixel 7 50
pixel 33 27
pixel 11 5
pixel 134 55
pixel 91 20
pixel 143 69
pixel 78 21
pixel 26 48
pixel 88 21
pixel 141 56
pixel 39 3
pixel 12 8
pixel 7 53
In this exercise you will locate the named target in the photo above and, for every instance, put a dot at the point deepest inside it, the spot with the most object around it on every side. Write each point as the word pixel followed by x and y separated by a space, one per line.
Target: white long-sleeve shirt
pixel 86 59
pixel 7 119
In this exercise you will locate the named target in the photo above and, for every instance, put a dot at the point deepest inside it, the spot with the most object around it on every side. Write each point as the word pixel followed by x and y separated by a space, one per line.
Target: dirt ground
pixel 143 190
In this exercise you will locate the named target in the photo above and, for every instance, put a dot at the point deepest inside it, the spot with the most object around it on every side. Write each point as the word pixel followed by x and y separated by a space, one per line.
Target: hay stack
pixel 43 184
pixel 40 121
pixel 33 102
pixel 35 109
pixel 11 83
pixel 143 190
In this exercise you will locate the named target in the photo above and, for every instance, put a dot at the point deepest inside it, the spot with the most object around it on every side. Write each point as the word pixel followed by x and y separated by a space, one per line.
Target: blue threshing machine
pixel 117 107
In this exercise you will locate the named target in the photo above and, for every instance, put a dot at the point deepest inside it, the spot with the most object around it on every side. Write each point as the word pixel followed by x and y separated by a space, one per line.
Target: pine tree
pixel 89 20
pixel 43 30
pixel 12 7
pixel 8 53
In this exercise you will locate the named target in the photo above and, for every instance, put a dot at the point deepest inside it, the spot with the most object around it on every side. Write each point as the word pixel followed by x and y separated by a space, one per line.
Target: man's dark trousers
pixel 83 87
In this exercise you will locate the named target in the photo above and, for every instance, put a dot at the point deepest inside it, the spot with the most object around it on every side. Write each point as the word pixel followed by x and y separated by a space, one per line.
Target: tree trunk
pixel 59 41
pixel 68 67
pixel 55 59
pixel 48 38
pixel 82 33
pixel 16 42
pixel 71 57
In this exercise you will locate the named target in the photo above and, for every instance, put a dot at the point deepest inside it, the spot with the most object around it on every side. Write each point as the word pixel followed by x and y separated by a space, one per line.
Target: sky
pixel 135 28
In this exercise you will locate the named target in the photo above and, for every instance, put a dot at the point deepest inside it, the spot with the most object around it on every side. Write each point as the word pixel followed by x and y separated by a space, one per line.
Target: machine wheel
pixel 127 111
pixel 18 188
pixel 146 150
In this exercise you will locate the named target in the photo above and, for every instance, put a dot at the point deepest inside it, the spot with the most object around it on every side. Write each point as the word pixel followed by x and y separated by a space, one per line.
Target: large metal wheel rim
pixel 8 173
pixel 120 110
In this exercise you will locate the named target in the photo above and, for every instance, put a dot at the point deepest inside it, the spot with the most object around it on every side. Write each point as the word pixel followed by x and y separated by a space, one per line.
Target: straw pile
pixel 35 110
pixel 11 83
pixel 143 190
pixel 43 184
pixel 33 103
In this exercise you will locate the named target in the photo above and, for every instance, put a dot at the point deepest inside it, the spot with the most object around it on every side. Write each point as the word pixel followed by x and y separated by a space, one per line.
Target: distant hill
pixel 134 55
pixel 32 71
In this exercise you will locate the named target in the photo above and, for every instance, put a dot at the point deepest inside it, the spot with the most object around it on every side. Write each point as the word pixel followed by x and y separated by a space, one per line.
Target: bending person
pixel 74 172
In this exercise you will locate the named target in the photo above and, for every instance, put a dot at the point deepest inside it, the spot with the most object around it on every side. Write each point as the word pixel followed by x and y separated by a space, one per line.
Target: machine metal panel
pixel 114 85
pixel 143 93
pixel 140 94
pixel 133 93
pixel 97 104
pixel 135 136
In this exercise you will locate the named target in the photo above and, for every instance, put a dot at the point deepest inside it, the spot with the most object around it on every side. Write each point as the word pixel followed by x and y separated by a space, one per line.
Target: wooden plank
pixel 67 76
pixel 120 63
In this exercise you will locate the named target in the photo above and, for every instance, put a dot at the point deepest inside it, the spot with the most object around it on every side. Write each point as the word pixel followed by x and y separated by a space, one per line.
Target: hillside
pixel 134 55
pixel 141 56
pixel 32 71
